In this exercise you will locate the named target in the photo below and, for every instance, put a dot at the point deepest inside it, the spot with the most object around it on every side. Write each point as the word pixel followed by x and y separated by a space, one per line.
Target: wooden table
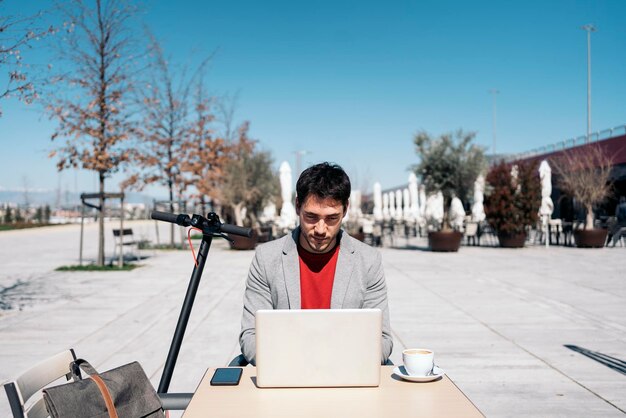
pixel 393 398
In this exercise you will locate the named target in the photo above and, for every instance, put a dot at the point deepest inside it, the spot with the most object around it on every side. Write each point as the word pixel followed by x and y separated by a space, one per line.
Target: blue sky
pixel 351 82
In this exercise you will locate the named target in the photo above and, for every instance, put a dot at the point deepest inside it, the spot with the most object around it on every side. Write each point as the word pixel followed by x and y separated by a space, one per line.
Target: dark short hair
pixel 324 180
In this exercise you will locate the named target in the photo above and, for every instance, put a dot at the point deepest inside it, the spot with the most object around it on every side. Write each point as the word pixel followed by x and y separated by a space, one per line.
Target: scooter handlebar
pixel 236 230
pixel 185 220
pixel 182 219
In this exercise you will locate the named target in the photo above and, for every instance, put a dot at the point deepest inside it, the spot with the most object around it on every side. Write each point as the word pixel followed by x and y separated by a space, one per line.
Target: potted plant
pixel 449 164
pixel 584 175
pixel 512 200
pixel 247 185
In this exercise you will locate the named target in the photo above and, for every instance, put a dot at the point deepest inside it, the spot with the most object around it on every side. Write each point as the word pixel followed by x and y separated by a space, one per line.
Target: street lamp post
pixel 299 155
pixel 589 28
pixel 493 93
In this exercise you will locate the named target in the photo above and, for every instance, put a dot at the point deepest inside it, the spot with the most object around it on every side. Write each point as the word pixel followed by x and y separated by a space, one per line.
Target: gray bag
pixel 123 392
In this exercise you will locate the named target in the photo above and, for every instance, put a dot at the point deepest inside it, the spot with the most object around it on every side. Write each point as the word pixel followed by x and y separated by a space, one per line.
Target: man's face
pixel 320 221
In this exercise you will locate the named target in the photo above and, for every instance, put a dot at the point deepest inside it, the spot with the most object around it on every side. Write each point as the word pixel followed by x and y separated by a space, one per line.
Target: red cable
pixel 191 245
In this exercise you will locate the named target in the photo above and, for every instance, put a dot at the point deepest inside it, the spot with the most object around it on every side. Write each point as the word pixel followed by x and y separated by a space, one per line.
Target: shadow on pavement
pixel 611 362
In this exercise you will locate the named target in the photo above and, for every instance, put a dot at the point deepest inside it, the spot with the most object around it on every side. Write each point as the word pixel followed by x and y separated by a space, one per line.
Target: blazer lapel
pixel 291 270
pixel 343 272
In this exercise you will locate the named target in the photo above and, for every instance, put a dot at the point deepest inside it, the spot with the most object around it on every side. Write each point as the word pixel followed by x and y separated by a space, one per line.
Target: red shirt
pixel 317 274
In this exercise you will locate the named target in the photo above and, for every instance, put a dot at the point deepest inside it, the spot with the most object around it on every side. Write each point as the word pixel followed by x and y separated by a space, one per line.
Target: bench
pixel 124 238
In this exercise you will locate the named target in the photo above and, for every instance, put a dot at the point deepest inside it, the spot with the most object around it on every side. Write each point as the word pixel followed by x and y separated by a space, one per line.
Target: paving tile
pixel 497 319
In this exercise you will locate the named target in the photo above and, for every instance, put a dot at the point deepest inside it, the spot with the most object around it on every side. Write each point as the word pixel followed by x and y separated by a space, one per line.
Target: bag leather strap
pixel 106 395
pixel 80 363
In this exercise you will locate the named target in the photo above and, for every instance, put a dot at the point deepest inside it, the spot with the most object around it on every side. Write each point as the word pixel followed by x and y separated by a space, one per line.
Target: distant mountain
pixel 54 198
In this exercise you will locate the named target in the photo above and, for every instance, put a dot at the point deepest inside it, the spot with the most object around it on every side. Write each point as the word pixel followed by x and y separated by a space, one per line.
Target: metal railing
pixel 570 143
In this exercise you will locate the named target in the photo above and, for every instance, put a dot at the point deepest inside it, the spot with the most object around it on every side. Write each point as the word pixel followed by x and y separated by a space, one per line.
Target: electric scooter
pixel 210 227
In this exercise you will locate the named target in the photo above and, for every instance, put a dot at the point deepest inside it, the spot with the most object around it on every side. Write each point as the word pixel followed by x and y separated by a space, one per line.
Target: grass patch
pixel 148 246
pixel 93 267
pixel 144 244
pixel 196 236
pixel 12 227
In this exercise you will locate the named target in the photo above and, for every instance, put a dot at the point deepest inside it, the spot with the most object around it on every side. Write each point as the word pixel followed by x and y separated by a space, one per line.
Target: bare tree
pixel 16 34
pixel 225 110
pixel 205 154
pixel 165 128
pixel 164 109
pixel 89 101
pixel 585 175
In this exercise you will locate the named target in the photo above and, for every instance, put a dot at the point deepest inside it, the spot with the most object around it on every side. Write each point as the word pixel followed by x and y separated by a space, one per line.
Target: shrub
pixel 512 202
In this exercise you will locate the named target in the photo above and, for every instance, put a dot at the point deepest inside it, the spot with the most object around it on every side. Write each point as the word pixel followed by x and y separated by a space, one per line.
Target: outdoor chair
pixel 24 393
pixel 555 226
pixel 538 233
pixel 486 231
pixel 471 233
pixel 239 361
pixel 26 399
pixel 123 239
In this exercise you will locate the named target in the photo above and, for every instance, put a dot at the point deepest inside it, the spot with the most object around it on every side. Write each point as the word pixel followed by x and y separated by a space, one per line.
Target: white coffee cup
pixel 418 361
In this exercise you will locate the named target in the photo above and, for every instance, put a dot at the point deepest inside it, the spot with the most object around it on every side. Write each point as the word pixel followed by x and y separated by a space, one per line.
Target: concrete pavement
pixel 500 321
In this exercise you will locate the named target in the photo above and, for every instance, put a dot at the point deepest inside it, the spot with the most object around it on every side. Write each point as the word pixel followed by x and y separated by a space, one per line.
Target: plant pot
pixel 512 240
pixel 358 235
pixel 238 242
pixel 444 241
pixel 590 238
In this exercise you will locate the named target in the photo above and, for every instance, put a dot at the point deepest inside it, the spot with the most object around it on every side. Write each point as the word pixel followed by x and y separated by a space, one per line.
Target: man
pixel 616 232
pixel 317 266
pixel 620 211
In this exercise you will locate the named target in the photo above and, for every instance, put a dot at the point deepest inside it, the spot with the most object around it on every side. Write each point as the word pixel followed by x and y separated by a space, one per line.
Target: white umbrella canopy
pixel 287 211
pixel 392 204
pixel 386 214
pixel 269 212
pixel 378 202
pixel 434 209
pixel 355 204
pixel 422 200
pixel 457 213
pixel 545 174
pixel 478 209
pixel 399 205
pixel 406 200
pixel 413 197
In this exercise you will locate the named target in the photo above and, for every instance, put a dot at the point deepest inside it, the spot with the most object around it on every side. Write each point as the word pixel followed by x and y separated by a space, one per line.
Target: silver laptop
pixel 318 347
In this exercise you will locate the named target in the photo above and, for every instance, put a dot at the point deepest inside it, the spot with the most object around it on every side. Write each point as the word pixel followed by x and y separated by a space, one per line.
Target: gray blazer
pixel 274 283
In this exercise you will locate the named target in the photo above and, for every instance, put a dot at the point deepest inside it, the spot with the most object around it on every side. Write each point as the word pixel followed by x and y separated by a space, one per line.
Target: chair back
pixel 21 390
pixel 125 231
pixel 471 229
pixel 556 225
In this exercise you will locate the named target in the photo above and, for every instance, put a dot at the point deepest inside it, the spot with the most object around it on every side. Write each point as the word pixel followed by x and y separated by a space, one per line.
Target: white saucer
pixel 437 373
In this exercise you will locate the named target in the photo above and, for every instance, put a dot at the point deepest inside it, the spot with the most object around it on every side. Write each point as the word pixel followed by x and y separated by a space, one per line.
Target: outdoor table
pixel 393 398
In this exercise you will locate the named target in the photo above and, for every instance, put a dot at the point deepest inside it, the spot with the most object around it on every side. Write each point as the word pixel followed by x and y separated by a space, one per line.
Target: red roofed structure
pixel 613 147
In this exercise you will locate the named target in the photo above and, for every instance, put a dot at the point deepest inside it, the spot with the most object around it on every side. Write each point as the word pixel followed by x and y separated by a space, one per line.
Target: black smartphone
pixel 226 376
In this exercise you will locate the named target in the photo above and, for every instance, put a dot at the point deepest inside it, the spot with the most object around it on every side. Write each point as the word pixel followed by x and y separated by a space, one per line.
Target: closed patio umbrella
pixel 378 202
pixel 478 210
